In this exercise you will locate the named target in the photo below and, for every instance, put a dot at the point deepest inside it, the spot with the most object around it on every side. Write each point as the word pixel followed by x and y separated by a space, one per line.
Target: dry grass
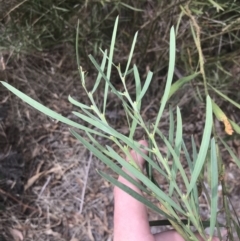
pixel 56 171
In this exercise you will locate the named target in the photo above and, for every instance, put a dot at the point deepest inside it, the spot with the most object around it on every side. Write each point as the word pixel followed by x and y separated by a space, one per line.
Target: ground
pixel 49 186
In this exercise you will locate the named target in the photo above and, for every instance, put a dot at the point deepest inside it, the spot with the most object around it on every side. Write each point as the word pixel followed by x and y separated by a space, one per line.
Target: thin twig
pixel 44 186
pixel 17 201
pixel 197 40
pixel 85 183
pixel 15 7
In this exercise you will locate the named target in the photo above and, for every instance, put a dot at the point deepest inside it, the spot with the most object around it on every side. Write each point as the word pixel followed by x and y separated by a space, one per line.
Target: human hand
pixel 130 215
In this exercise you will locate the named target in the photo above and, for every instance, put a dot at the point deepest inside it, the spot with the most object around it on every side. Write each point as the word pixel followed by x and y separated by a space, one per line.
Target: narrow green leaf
pixel 138 85
pixel 194 150
pixel 133 127
pixel 110 163
pixel 109 67
pixel 214 187
pixel 131 7
pixel 192 217
pixel 236 227
pixel 169 78
pixel 138 102
pixel 99 77
pixel 96 109
pixel 179 21
pixel 221 116
pixel 178 84
pixel 78 104
pixel 177 162
pixel 208 167
pixel 235 126
pixel 234 157
pixel 133 116
pixel 127 109
pixel 216 5
pixel 159 157
pixel 131 54
pixel 171 130
pixel 158 192
pixel 135 195
pixel 177 148
pixel 204 146
pixel 46 110
pixel 194 203
pixel 113 89
pixel 188 158
pixel 235 217
pixel 95 122
pixel 225 97
pixel 149 169
pixel 228 217
pixel 135 146
pixel 90 115
pixel 98 124
pixel 146 85
pixel 77 54
pixel 178 139
pixel 129 71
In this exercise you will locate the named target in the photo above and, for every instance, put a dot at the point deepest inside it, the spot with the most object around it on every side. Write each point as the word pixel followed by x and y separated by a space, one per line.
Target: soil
pixel 49 187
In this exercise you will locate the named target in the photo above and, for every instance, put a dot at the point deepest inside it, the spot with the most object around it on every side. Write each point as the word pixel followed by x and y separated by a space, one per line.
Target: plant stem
pixel 197 40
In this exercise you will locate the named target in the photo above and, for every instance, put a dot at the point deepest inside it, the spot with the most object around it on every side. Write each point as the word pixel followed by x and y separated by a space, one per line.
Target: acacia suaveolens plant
pixel 180 206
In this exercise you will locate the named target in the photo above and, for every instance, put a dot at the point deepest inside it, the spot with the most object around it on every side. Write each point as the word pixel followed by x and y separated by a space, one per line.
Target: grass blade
pixel 171 130
pixel 78 104
pixel 234 157
pixel 216 5
pixel 235 126
pixel 225 97
pixel 222 117
pixel 100 154
pixel 113 89
pixel 96 123
pixel 177 162
pixel 214 187
pixel 130 54
pixel 138 85
pixel 134 194
pixel 138 103
pixel 99 74
pixel 158 192
pixel 47 111
pixel 169 77
pixel 146 85
pixel 186 154
pixel 178 139
pixel 204 146
pixel 77 54
pixel 194 150
pixel 109 67
pixel 177 148
pixel 178 84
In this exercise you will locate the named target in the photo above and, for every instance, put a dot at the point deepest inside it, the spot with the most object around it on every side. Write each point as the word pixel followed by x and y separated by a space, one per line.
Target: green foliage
pixel 176 202
pixel 43 25
pixel 204 30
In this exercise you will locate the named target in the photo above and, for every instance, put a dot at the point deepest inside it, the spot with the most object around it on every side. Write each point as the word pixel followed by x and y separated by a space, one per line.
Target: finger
pixel 130 216
pixel 137 157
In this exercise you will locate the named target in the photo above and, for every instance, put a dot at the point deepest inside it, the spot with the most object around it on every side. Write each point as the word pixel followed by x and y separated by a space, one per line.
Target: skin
pixel 130 216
